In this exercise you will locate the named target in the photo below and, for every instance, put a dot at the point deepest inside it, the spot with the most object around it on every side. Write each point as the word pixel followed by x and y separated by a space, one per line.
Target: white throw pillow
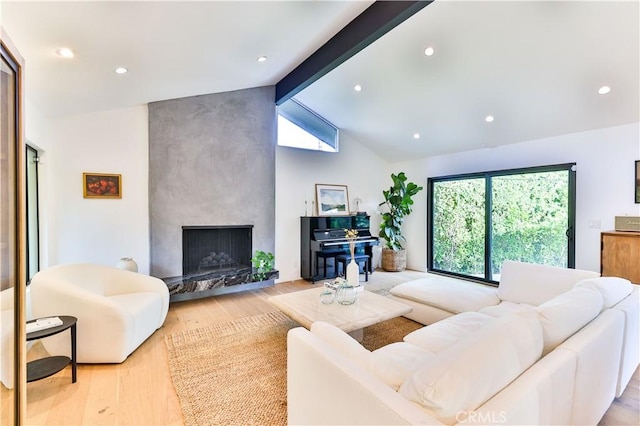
pixel 395 362
pixel 567 313
pixel 467 374
pixel 534 284
pixel 441 335
pixel 612 289
pixel 342 342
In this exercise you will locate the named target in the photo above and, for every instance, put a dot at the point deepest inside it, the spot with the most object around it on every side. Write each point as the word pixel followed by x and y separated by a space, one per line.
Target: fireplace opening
pixel 215 248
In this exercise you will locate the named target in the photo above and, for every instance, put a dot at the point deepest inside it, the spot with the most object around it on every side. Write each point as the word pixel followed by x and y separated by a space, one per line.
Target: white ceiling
pixel 535 66
pixel 172 48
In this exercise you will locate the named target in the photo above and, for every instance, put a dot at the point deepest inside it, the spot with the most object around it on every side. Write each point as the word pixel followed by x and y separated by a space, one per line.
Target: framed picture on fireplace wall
pixel 101 185
pixel 332 200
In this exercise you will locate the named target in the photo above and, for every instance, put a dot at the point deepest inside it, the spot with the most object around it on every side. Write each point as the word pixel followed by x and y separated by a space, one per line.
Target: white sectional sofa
pixel 551 347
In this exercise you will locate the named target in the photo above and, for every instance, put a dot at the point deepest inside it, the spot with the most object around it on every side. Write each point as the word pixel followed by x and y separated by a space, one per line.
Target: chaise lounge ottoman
pixel 437 297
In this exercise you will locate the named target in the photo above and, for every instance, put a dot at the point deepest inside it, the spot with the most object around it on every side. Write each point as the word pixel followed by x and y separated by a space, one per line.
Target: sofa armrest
pixel 598 348
pixel 125 282
pixel 630 307
pixel 324 387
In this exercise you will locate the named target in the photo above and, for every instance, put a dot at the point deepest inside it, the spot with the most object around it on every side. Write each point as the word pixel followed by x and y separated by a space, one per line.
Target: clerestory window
pixel 300 127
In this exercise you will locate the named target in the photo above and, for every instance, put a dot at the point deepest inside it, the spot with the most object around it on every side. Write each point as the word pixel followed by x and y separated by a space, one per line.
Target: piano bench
pixel 345 258
pixel 327 255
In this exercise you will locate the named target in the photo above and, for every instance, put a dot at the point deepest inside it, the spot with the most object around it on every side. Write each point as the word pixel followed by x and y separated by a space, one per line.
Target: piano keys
pixel 324 237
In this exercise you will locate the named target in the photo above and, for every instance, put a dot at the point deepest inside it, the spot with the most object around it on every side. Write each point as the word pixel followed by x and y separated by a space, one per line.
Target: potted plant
pixel 398 201
pixel 263 263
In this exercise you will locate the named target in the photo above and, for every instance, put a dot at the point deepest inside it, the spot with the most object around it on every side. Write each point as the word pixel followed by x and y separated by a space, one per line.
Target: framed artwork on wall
pixel 637 182
pixel 101 185
pixel 332 200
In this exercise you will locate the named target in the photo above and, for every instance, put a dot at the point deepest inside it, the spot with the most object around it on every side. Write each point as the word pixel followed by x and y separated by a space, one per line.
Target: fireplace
pixel 215 248
pixel 216 260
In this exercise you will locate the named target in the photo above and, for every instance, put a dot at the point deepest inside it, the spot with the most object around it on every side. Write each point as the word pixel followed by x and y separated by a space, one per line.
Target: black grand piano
pixel 322 237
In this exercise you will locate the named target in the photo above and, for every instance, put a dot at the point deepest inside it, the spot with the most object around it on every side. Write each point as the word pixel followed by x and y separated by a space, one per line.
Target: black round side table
pixel 48 366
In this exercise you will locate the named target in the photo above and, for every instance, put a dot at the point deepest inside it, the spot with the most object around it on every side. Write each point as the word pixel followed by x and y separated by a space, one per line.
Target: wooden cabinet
pixel 620 255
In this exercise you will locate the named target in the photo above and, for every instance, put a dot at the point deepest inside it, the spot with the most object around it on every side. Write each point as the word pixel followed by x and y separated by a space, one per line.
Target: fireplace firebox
pixel 215 248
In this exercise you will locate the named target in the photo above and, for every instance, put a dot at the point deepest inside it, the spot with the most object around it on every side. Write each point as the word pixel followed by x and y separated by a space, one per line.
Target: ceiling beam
pixel 370 25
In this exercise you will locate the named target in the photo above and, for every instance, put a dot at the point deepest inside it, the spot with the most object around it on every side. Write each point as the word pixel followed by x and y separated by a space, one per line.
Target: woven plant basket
pixel 394 261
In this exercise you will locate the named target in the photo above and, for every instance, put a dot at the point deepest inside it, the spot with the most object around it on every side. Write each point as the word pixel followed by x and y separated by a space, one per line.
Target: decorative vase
pixel 353 273
pixel 346 294
pixel 128 264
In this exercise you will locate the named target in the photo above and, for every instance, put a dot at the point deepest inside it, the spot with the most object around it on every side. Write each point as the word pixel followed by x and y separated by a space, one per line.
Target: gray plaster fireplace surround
pixel 211 164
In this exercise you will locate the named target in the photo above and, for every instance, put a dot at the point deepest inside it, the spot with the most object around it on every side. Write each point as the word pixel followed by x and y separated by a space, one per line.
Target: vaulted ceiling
pixel 535 67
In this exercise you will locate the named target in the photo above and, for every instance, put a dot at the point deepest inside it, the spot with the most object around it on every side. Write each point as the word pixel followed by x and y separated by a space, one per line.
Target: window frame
pixel 32 212
pixel 571 213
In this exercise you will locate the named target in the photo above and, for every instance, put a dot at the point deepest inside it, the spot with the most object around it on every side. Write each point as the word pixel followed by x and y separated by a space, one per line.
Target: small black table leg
pixel 73 354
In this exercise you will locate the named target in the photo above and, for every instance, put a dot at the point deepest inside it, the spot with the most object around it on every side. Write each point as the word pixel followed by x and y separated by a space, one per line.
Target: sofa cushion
pixel 395 362
pixel 534 284
pixel 341 342
pixel 567 313
pixel 612 289
pixel 469 373
pixel 447 293
pixel 443 334
pixel 505 308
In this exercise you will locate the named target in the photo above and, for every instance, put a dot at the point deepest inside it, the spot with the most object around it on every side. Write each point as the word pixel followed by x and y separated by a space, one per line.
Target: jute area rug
pixel 234 373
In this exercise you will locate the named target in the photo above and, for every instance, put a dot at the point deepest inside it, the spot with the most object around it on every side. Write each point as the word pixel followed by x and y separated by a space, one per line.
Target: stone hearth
pixel 214 283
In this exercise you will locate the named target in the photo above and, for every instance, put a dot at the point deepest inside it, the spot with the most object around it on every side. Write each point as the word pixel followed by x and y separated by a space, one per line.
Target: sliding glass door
pixel 476 221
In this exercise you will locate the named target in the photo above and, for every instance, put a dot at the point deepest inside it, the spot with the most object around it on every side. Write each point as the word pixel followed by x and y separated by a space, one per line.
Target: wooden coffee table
pixel 305 308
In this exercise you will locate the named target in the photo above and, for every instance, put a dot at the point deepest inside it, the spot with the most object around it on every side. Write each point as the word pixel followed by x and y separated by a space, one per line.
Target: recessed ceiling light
pixel 261 59
pixel 121 70
pixel 416 135
pixel 357 88
pixel 489 118
pixel 65 52
pixel 429 51
pixel 604 90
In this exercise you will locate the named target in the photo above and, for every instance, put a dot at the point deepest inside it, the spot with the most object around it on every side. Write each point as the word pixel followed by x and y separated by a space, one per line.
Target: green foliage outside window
pixel 458 242
pixel 530 219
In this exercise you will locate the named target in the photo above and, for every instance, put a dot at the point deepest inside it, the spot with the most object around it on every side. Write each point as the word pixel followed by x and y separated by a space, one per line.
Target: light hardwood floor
pixel 140 392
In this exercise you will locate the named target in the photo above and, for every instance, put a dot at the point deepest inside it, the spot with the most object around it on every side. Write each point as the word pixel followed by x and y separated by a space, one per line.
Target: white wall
pixel 604 188
pixel 98 230
pixel 89 230
pixel 297 172
pixel 102 231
